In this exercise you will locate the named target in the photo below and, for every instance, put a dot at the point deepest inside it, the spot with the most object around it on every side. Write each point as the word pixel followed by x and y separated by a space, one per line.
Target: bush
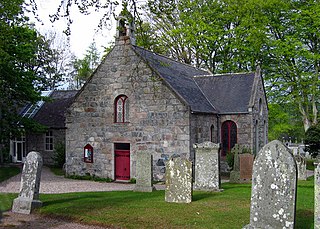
pixel 59 156
pixel 312 140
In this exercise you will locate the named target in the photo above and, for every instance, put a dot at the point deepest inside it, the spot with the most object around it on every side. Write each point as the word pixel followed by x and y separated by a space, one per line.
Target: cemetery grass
pixel 7 172
pixel 127 209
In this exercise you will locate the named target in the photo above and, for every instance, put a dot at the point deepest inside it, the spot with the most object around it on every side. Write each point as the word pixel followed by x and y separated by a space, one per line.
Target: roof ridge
pixel 224 74
pixel 161 55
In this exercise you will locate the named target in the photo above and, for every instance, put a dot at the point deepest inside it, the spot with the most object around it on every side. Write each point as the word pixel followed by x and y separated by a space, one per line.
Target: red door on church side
pixel 122 164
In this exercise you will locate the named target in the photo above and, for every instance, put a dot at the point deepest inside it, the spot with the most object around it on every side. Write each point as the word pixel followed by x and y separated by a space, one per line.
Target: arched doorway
pixel 228 136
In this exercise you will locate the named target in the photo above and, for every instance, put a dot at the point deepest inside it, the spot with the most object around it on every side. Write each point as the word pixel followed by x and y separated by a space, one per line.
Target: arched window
pixel 228 136
pixel 260 107
pixel 121 109
pixel 212 133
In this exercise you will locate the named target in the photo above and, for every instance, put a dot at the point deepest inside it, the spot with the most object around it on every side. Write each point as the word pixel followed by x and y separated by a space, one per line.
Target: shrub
pixel 312 140
pixel 230 159
pixel 59 156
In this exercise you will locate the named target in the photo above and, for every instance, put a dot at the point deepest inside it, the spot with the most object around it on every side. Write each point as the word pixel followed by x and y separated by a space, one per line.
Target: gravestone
pixel 144 172
pixel 302 167
pixel 242 166
pixel 28 198
pixel 246 165
pixel 274 185
pixel 178 181
pixel 317 196
pixel 207 173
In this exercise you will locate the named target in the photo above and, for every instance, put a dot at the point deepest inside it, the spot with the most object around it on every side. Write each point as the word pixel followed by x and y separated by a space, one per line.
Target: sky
pixel 82 29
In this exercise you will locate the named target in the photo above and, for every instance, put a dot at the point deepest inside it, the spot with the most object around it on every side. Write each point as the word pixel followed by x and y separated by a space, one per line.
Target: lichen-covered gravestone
pixel 317 197
pixel 178 180
pixel 235 173
pixel 274 185
pixel 28 198
pixel 144 172
pixel 207 174
pixel 302 167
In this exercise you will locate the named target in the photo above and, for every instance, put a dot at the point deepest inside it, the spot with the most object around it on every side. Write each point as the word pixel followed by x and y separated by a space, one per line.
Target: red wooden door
pixel 122 164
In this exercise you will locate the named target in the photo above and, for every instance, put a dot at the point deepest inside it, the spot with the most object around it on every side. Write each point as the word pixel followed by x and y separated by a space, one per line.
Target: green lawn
pixel 7 172
pixel 227 209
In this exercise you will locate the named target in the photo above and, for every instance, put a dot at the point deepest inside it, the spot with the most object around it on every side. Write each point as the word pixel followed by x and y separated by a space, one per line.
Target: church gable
pixel 125 106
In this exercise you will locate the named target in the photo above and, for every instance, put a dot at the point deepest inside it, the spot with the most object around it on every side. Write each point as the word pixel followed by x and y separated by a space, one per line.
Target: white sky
pixel 82 29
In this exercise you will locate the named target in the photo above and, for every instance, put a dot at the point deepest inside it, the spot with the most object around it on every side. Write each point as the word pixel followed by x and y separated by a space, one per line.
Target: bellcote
pixel 125 29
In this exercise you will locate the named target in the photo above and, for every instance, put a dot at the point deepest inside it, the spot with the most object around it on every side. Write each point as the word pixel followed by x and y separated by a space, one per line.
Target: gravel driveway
pixel 51 183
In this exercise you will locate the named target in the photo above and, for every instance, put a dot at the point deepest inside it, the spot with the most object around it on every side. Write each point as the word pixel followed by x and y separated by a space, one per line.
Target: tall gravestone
pixel 302 167
pixel 144 172
pixel 178 180
pixel 274 185
pixel 28 198
pixel 235 173
pixel 207 173
pixel 317 197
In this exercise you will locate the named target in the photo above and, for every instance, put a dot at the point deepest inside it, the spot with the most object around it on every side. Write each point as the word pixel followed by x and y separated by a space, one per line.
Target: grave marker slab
pixel 274 185
pixel 317 196
pixel 144 172
pixel 246 165
pixel 302 167
pixel 178 181
pixel 28 198
pixel 207 173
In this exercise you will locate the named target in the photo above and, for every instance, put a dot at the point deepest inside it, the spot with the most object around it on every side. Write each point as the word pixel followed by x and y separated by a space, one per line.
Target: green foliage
pixel 7 172
pixel 133 180
pixel 312 140
pixel 59 156
pixel 57 171
pixel 23 54
pixel 284 122
pixel 89 177
pixel 310 164
pixel 230 159
pixel 85 67
pixel 235 36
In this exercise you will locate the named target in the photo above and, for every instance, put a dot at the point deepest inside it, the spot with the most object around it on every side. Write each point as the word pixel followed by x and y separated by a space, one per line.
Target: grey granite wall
pixel 158 121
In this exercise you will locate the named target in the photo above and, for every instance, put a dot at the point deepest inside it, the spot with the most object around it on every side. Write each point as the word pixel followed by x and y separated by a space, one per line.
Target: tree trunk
pixel 305 119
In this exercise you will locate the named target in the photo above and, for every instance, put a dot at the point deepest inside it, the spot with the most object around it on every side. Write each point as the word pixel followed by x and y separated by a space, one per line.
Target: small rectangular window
pixel 49 141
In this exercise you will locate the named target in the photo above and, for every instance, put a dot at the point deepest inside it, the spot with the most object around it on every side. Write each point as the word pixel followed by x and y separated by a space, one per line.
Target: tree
pixel 85 67
pixel 20 79
pixel 312 140
pixel 231 36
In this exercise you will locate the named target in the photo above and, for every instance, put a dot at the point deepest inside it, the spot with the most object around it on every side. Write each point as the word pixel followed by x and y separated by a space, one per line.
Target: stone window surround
pixel 121 116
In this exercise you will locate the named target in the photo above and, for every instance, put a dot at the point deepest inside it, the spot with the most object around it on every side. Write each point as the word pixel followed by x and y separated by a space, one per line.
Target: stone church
pixel 137 100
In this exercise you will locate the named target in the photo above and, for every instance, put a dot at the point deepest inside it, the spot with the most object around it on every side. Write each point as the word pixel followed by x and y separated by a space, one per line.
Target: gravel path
pixel 51 183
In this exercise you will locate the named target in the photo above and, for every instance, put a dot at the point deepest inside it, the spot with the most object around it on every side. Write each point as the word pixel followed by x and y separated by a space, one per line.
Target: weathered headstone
pixel 302 167
pixel 246 165
pixel 207 174
pixel 144 172
pixel 274 185
pixel 242 167
pixel 317 197
pixel 178 180
pixel 28 198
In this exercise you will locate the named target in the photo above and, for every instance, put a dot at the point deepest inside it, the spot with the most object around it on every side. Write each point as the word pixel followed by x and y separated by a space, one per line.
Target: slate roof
pixel 179 77
pixel 51 114
pixel 205 93
pixel 230 93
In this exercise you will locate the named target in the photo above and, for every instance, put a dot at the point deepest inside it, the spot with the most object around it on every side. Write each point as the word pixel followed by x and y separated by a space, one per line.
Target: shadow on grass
pixel 203 195
pixel 304 219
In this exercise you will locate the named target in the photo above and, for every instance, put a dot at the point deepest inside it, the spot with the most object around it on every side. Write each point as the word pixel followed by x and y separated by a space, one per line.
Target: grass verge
pixel 7 172
pixel 126 209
